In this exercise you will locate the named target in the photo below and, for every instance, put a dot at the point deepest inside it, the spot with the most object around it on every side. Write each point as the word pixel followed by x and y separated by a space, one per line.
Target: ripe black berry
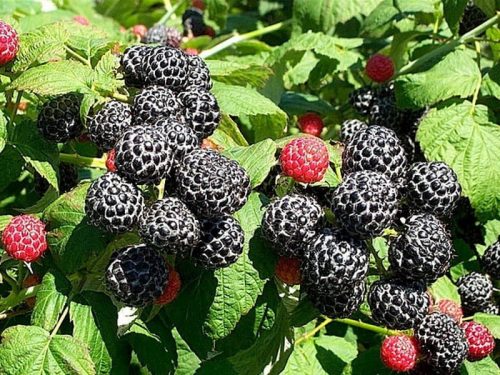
pixel 291 222
pixel 199 75
pixel 221 243
pixel 339 305
pixel 113 203
pixel 168 225
pixel 132 65
pixel 166 66
pixel 476 291
pixel 156 102
pixel 491 260
pixel 361 100
pixel 142 155
pixel 192 19
pixel 349 128
pixel 109 123
pixel 201 111
pixel 136 275
pixel 166 36
pixel 59 118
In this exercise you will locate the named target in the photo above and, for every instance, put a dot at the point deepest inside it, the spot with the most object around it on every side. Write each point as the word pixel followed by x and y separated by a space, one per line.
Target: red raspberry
pixel 31 280
pixel 199 4
pixel 450 308
pixel 399 353
pixel 305 159
pixel 9 43
pixel 311 123
pixel 480 340
pixel 24 238
pixel 288 270
pixel 172 289
pixel 209 31
pixel 139 30
pixel 110 161
pixel 81 20
pixel 192 51
pixel 380 68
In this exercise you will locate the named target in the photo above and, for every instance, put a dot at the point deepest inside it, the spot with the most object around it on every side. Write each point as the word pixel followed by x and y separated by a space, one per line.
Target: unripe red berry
pixel 209 31
pixel 81 20
pixel 199 4
pixel 139 30
pixel 305 160
pixel 450 308
pixel 24 238
pixel 110 161
pixel 311 123
pixel 172 288
pixel 480 340
pixel 191 51
pixel 380 68
pixel 399 353
pixel 9 43
pixel 288 270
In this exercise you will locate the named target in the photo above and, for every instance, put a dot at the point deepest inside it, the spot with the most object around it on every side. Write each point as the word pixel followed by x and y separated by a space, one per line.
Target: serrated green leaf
pixel 380 19
pixel 492 322
pixel 333 350
pixel 443 288
pixel 304 360
pixel 457 74
pixel 151 351
pixel 187 361
pixel 296 103
pixel 36 151
pixel 48 197
pixel 453 10
pixel 236 73
pixel 466 140
pixel 3 131
pixel 32 350
pixel 37 21
pixel 11 164
pixel 486 366
pixel 257 159
pixel 4 221
pixel 239 285
pixel 492 233
pixel 491 82
pixel 313 15
pixel 228 134
pixel 104 79
pixel 300 73
pixel 217 11
pixel 72 241
pixel 50 300
pixel 55 78
pixel 368 362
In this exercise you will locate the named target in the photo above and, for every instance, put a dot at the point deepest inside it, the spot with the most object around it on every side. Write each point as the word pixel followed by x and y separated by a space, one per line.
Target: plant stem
pixel 241 37
pixel 15 298
pixel 378 261
pixel 83 161
pixel 449 46
pixel 161 189
pixel 60 321
pixel 120 97
pixel 13 114
pixel 14 313
pixel 77 56
pixel 478 87
pixel 170 11
pixel 350 322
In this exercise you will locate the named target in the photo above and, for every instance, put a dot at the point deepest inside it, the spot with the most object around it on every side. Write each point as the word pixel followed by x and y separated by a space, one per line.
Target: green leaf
pixel 257 159
pixel 380 19
pixel 239 285
pixel 228 134
pixel 216 10
pixel 296 103
pixel 443 288
pixel 304 360
pixel 50 300
pixel 36 151
pixel 491 82
pixel 492 233
pixel 150 349
pixel 313 15
pixel 11 164
pixel 32 350
pixel 104 79
pixel 236 73
pixel 187 361
pixel 466 140
pixel 4 221
pixel 453 10
pixel 457 74
pixel 55 78
pixel 492 322
pixel 486 366
pixel 72 241
pixel 3 131
pixel 334 352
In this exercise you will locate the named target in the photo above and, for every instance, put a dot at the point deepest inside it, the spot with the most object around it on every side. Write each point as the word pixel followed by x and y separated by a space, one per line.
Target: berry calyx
pixel 399 353
pixel 311 123
pixel 139 30
pixel 171 289
pixel 305 160
pixel 288 270
pixel 480 340
pixel 9 43
pixel 110 161
pixel 24 238
pixel 380 68
pixel 450 308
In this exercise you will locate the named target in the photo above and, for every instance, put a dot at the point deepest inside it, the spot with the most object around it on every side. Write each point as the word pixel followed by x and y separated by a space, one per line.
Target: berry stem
pixel 448 47
pixel 378 261
pixel 83 161
pixel 170 11
pixel 14 313
pixel 236 38
pixel 161 189
pixel 350 322
pixel 120 97
pixel 15 298
pixel 77 56
pixel 60 321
